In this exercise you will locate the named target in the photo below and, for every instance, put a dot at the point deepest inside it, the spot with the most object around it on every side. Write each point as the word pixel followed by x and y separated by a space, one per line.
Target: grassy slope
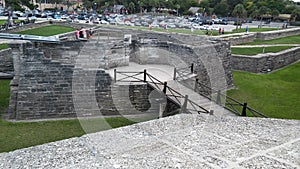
pixel 25 134
pixel 276 94
pixel 258 50
pixel 48 30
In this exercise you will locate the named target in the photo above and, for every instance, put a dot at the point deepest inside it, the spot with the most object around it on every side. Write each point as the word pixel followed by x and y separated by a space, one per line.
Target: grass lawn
pixel 47 30
pixel 285 40
pixel 2 21
pixel 275 94
pixel 258 50
pixel 3 46
pixel 25 134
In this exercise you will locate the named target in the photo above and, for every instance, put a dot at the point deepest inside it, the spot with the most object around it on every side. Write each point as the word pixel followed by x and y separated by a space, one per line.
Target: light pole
pixel 95 7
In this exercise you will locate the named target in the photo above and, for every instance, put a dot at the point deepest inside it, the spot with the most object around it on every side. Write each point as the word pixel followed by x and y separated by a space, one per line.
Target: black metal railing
pixel 231 104
pixel 186 104
pixel 181 73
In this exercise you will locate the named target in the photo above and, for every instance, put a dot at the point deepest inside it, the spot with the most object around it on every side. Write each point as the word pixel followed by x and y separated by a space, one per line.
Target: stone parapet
pixel 277 34
pixel 6 61
pixel 264 63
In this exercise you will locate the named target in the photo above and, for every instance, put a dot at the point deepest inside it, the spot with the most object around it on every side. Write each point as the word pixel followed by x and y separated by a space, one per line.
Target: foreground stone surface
pixel 181 141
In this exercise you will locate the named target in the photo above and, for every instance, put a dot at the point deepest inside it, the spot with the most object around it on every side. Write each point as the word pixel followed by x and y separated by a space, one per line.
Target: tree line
pixel 224 8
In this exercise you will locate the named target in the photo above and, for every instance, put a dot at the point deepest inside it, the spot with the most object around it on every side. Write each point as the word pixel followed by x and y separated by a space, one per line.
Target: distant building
pixel 119 9
pixel 194 9
pixel 2 3
pixel 42 4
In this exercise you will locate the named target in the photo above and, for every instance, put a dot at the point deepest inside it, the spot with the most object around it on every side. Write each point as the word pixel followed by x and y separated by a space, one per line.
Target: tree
pixel 233 3
pixel 239 12
pixel 262 11
pixel 275 13
pixel 131 7
pixel 68 3
pixel 177 7
pixel 12 5
pixel 221 8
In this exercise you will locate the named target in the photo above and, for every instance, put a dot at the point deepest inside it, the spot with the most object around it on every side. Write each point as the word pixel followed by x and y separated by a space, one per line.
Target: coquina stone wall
pixel 264 63
pixel 263 35
pixel 6 61
pixel 56 81
pixel 242 39
pixel 212 62
pixel 70 79
pixel 277 34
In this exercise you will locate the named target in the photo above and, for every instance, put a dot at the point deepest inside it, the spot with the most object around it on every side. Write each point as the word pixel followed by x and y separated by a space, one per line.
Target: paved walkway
pixel 180 141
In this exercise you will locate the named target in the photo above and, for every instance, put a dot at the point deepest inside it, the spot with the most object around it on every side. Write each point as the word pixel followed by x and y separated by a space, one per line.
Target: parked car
pixel 196 26
pixel 171 25
pixel 14 16
pixel 19 13
pixel 104 22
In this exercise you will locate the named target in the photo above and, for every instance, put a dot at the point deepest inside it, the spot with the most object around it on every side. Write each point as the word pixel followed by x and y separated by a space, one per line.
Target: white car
pixel 128 23
pixel 104 22
pixel 196 26
pixel 215 28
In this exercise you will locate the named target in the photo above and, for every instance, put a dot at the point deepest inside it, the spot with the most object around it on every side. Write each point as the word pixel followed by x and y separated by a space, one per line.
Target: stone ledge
pixel 264 63
pixel 181 141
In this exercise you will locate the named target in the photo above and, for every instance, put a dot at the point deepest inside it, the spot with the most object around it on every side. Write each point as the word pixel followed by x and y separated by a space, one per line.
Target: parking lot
pixel 162 21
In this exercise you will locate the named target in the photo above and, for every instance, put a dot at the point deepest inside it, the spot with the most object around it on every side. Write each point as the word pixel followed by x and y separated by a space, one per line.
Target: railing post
pixel 145 75
pixel 219 97
pixel 161 110
pixel 174 77
pixel 165 87
pixel 184 106
pixel 196 85
pixel 244 114
pixel 115 75
pixel 192 68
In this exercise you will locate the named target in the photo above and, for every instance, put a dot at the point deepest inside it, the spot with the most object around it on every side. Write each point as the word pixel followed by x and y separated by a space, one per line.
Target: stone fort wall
pixel 264 63
pixel 6 61
pixel 43 85
pixel 263 35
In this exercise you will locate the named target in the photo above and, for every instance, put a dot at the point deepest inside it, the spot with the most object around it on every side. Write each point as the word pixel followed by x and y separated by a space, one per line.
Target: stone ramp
pixel 164 73
pixel 181 141
pixel 198 99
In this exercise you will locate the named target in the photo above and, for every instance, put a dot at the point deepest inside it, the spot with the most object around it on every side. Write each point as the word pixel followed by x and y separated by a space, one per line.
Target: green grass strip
pixel 275 94
pixel 2 21
pixel 4 94
pixel 259 50
pixel 4 46
pixel 25 134
pixel 47 30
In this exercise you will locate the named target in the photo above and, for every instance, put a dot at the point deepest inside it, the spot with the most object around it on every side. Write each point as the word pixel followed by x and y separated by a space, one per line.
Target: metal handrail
pixel 157 83
pixel 230 103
